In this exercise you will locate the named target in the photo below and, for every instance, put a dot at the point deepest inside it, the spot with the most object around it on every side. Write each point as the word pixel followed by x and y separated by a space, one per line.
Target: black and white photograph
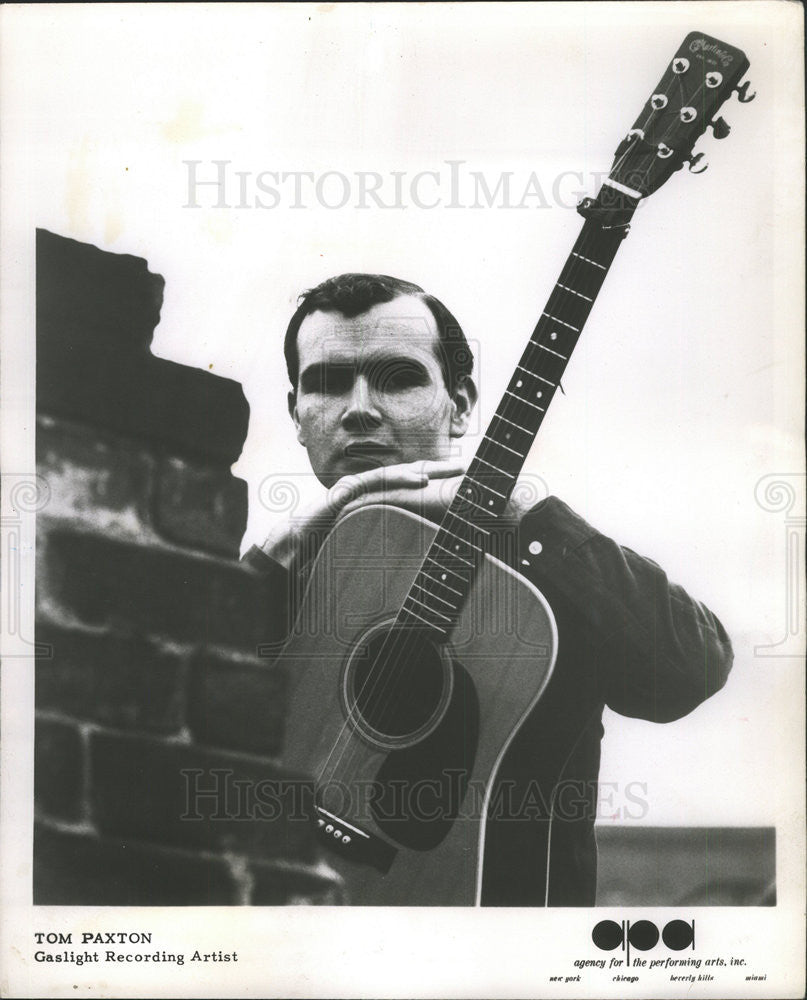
pixel 403 500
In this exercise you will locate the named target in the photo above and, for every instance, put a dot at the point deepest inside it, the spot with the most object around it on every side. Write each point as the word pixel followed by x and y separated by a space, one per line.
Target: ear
pixel 462 403
pixel 292 402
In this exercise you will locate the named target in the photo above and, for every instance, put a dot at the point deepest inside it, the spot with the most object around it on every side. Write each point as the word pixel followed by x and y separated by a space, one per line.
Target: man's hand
pixel 426 487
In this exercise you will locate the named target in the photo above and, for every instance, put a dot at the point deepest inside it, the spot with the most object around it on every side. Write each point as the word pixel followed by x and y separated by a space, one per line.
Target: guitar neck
pixel 442 585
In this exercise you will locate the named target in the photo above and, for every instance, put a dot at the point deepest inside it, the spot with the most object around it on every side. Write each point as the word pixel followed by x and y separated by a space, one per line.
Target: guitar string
pixel 388 674
pixel 386 678
pixel 388 668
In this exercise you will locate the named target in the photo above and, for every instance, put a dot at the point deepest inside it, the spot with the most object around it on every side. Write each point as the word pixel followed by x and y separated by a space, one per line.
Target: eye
pixel 397 375
pixel 338 379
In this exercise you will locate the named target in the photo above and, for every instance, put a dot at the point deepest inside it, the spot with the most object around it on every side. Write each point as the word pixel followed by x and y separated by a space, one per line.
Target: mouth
pixel 370 453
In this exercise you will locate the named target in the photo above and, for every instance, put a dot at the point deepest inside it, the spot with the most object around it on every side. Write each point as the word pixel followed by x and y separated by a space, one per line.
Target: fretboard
pixel 442 585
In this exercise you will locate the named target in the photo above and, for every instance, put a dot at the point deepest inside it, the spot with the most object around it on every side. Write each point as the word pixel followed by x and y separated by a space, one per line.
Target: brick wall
pixel 149 685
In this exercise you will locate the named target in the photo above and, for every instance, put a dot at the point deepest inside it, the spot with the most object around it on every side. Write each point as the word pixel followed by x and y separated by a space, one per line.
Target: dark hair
pixel 354 294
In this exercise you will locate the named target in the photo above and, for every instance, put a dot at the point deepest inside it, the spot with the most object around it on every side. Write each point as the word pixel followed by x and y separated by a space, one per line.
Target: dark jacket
pixel 627 638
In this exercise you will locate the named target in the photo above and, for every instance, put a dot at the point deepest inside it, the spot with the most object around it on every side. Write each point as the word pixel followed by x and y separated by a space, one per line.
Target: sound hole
pixel 398 684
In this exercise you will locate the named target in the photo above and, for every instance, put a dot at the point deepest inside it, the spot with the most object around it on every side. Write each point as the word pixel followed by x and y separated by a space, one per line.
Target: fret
pixel 440 583
pixel 522 400
pixel 461 538
pixel 518 427
pixel 484 485
pixel 583 279
pixel 553 369
pixel 446 569
pixel 453 555
pixel 553 384
pixel 409 611
pixel 436 596
pixel 568 309
pixel 475 526
pixel 588 260
pixel 434 611
pixel 492 466
pixel 518 383
pixel 466 499
pixel 506 447
pixel 556 353
pixel 574 292
pixel 562 323
pixel 540 393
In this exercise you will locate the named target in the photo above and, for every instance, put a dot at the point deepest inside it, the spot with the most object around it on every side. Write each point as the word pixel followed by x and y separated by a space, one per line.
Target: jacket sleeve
pixel 658 652
pixel 279 597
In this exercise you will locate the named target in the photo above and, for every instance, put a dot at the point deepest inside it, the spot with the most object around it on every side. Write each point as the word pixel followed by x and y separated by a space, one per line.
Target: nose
pixel 361 411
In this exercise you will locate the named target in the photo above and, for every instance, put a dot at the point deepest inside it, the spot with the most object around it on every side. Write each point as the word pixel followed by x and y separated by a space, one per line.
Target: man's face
pixel 371 391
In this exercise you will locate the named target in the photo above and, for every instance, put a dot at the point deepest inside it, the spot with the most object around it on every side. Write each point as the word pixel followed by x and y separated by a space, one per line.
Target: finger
pixel 348 487
pixel 394 498
pixel 443 469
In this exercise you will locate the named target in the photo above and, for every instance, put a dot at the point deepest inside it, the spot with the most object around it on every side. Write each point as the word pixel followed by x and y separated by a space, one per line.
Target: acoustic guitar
pixel 417 654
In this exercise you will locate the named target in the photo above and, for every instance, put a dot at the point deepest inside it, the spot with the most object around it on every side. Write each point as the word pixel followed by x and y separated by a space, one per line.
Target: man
pixel 381 385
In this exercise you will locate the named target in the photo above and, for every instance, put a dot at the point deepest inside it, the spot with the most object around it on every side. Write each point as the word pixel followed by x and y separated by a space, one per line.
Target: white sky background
pixel 686 388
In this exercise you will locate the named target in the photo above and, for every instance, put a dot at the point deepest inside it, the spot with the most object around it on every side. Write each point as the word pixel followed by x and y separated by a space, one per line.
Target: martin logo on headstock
pixel 709 47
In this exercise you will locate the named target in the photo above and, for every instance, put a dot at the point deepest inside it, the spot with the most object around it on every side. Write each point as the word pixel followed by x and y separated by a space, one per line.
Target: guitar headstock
pixel 699 79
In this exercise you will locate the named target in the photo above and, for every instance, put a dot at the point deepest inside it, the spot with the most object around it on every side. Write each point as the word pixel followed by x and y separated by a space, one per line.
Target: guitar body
pixel 403 815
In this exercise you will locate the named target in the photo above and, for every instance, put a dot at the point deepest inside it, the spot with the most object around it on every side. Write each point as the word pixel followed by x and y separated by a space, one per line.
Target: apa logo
pixel 643 935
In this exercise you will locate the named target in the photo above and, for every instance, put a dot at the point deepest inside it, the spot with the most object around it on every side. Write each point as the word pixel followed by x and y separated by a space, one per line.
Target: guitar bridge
pixel 353 843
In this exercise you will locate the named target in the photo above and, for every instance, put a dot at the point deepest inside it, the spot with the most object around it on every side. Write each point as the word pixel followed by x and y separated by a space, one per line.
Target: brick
pixel 201 506
pixel 275 885
pixel 96 313
pixel 158 591
pixel 104 480
pixel 85 870
pixel 237 704
pixel 87 293
pixel 185 410
pixel 58 769
pixel 113 680
pixel 151 791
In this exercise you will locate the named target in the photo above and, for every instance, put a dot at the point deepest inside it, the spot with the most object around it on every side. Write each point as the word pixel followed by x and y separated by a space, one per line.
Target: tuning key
pixel 693 161
pixel 742 93
pixel 721 128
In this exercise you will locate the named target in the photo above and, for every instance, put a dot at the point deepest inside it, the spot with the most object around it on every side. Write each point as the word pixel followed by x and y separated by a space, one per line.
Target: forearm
pixel 659 653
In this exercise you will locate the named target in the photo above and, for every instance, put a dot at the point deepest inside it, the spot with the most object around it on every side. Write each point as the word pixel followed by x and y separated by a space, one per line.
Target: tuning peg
pixel 693 161
pixel 721 128
pixel 742 93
